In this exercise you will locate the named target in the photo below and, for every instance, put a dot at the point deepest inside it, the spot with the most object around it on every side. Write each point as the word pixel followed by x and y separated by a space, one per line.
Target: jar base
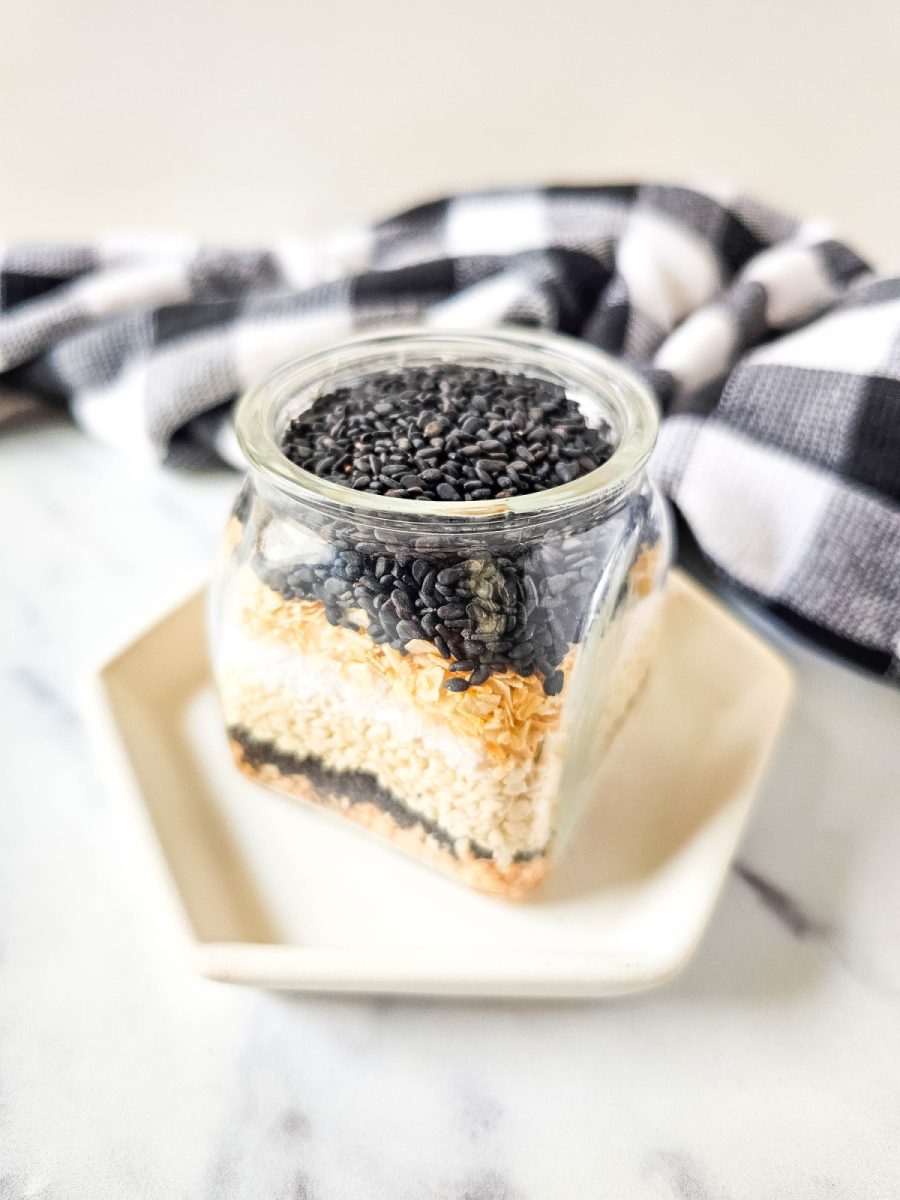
pixel 343 794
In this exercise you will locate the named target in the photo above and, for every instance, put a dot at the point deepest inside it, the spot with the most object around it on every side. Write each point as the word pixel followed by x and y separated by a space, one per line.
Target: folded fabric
pixel 773 348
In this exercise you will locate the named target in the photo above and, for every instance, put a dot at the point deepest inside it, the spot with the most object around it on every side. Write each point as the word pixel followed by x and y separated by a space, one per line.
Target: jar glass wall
pixel 442 673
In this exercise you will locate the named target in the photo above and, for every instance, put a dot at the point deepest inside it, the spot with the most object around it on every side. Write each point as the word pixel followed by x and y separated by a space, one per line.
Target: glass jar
pixel 339 618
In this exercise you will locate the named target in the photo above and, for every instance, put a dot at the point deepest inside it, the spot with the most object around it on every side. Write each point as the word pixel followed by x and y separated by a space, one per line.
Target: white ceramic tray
pixel 283 896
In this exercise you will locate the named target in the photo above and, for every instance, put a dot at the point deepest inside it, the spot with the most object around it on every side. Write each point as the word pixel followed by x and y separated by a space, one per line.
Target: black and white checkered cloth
pixel 774 351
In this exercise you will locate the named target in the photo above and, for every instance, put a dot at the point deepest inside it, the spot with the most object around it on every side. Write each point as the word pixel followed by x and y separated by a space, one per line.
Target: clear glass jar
pixel 337 615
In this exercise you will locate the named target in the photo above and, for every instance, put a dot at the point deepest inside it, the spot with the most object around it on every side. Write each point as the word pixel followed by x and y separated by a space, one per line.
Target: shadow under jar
pixel 447 674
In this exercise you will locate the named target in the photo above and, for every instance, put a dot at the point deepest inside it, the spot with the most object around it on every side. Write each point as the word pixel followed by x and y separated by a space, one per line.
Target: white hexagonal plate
pixel 279 895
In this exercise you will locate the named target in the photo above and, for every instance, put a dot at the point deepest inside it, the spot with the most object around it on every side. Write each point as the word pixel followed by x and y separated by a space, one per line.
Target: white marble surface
pixel 768 1069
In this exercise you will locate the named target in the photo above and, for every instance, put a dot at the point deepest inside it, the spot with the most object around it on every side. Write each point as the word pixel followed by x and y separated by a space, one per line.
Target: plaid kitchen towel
pixel 773 348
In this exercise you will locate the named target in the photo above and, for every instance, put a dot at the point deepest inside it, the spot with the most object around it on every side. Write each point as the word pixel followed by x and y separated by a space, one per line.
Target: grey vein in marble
pixel 783 907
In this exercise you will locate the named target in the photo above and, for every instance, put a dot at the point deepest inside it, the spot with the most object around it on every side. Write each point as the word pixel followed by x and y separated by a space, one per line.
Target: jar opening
pixel 604 390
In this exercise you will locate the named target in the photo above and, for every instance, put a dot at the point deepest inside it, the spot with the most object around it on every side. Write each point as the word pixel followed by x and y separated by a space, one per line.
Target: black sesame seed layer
pixel 499 613
pixel 359 787
pixel 489 603
pixel 447 433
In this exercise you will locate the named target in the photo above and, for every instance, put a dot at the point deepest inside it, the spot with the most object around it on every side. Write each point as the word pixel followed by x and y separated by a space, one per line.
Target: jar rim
pixel 575 362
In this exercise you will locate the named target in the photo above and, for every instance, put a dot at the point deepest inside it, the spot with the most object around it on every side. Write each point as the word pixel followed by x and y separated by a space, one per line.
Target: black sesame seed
pixel 456 684
pixel 450 575
pixel 553 685
pixel 443 649
pixel 451 612
pixel 403 602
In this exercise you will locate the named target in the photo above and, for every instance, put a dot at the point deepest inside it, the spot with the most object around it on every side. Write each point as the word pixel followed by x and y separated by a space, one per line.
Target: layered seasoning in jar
pixel 441 589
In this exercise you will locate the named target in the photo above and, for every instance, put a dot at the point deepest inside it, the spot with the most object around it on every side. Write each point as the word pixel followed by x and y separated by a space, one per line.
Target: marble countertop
pixel 768 1069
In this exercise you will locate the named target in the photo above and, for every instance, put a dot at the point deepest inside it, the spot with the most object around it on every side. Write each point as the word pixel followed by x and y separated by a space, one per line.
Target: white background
pixel 239 120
